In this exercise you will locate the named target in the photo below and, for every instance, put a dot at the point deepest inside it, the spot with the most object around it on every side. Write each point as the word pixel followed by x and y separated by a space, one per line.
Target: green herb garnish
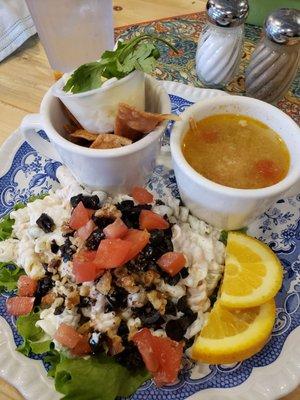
pixel 34 338
pixel 139 53
pixel 98 377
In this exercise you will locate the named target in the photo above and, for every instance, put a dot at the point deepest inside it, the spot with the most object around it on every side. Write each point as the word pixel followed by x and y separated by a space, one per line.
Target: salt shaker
pixel 274 63
pixel 220 45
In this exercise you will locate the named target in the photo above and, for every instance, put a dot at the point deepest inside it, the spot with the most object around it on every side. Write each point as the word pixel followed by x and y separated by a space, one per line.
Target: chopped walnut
pixel 108 211
pixel 85 328
pixel 128 283
pixel 48 299
pixel 116 345
pixel 104 284
pixel 120 272
pixel 150 277
pixel 65 229
pixel 84 291
pixel 72 299
pixel 158 300
pixel 53 265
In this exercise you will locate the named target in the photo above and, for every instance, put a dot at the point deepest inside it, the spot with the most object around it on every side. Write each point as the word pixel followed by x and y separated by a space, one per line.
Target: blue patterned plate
pixel 268 375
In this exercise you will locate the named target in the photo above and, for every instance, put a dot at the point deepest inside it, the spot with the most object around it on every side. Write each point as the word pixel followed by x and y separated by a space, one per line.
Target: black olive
pixel 175 330
pixel 150 317
pixel 159 202
pixel 116 300
pixel 54 246
pixel 182 304
pixel 84 302
pixel 43 287
pixel 170 308
pixel 92 202
pixel 67 250
pixel 187 320
pixel 46 223
pixel 189 343
pixel 93 241
pixel 130 357
pixel 102 222
pixel 170 280
pixel 123 331
pixel 96 342
pixel 131 213
pixel 184 273
pixel 59 310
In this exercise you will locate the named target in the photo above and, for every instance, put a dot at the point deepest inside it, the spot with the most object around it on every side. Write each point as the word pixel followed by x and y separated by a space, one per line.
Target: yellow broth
pixel 236 151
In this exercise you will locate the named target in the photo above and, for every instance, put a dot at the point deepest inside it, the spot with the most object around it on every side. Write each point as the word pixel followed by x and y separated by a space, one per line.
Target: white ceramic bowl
pixel 112 170
pixel 225 207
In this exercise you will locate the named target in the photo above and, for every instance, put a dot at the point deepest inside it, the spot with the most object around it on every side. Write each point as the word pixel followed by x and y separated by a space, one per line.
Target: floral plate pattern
pixel 268 375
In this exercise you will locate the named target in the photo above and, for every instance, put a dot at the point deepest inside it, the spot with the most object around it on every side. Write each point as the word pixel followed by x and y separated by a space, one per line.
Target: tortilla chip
pixel 109 141
pixel 83 134
pixel 133 124
pixel 69 129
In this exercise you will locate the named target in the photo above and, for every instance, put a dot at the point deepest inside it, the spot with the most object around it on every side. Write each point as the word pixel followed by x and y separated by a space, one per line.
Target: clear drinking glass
pixel 73 32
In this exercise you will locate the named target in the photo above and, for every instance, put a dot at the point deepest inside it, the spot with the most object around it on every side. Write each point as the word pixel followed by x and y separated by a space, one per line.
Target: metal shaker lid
pixel 283 26
pixel 227 13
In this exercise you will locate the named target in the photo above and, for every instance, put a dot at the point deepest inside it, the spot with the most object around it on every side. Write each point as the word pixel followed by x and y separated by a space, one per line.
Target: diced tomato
pixel 172 262
pixel 210 136
pixel 19 305
pixel 26 286
pixel 80 216
pixel 138 240
pixel 115 230
pixel 83 347
pixel 141 195
pixel 144 341
pixel 85 268
pixel 150 220
pixel 162 356
pixel 268 169
pixel 85 231
pixel 112 253
pixel 67 336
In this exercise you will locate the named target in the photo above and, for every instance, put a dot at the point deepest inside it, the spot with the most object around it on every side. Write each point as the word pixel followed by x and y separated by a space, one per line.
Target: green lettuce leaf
pixel 100 378
pixel 138 53
pixel 34 338
pixel 6 223
pixel 9 275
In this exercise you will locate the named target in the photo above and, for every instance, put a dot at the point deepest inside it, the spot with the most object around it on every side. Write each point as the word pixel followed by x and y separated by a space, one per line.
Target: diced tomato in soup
pixel 19 305
pixel 162 356
pixel 80 216
pixel 26 286
pixel 150 220
pixel 141 195
pixel 67 336
pixel 115 230
pixel 172 262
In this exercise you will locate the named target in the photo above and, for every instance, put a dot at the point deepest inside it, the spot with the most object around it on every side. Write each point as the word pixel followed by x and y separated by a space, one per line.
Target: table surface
pixel 26 75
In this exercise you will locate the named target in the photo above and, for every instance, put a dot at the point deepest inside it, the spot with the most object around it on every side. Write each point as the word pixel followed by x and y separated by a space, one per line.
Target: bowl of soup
pixel 233 157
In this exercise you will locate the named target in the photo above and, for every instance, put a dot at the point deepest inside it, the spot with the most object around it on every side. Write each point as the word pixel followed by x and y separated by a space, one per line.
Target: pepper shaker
pixel 274 63
pixel 220 46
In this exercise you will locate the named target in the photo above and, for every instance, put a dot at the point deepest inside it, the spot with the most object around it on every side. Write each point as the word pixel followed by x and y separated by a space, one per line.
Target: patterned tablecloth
pixel 184 32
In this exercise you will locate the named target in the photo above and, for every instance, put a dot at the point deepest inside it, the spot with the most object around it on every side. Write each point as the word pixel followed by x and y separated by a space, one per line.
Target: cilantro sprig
pixel 139 53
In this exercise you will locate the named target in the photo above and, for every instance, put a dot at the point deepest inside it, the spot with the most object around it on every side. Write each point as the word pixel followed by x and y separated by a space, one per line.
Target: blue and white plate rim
pixel 269 382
